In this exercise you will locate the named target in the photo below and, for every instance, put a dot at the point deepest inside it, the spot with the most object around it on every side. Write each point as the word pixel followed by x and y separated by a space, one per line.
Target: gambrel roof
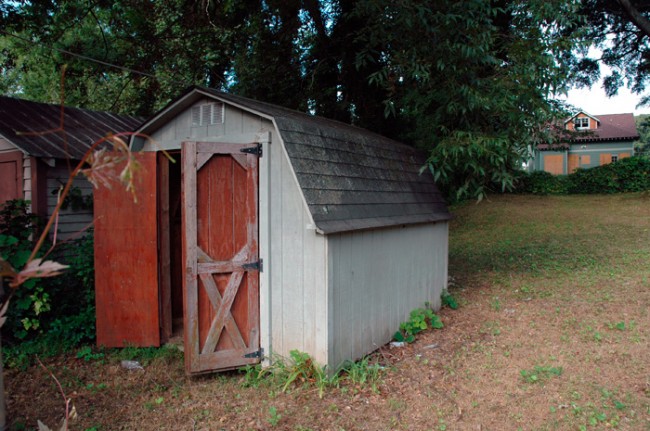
pixel 350 178
pixel 27 125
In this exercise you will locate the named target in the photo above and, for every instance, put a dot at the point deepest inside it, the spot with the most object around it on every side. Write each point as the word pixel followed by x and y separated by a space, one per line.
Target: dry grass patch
pixel 553 333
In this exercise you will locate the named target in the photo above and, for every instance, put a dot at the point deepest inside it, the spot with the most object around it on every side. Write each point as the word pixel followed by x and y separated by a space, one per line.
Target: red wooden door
pixel 220 280
pixel 11 176
pixel 126 261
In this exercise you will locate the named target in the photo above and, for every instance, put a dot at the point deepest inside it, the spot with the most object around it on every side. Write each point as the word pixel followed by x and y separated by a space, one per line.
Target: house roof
pixel 350 178
pixel 582 112
pixel 82 127
pixel 611 127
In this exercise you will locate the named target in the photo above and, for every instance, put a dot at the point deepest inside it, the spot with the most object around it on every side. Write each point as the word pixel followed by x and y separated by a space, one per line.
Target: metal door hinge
pixel 256 150
pixel 254 266
pixel 257 354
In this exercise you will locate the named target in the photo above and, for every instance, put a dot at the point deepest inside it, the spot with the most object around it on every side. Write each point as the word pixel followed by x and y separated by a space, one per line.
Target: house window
pixel 581 123
pixel 207 114
pixel 614 159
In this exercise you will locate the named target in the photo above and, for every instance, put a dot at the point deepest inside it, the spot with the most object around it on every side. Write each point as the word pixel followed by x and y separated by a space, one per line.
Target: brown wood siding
pixel 11 176
pixel 126 261
pixel 623 156
pixel 220 237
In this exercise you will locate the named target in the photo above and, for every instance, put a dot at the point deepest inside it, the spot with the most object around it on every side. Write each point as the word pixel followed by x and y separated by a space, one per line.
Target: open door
pixel 126 261
pixel 220 248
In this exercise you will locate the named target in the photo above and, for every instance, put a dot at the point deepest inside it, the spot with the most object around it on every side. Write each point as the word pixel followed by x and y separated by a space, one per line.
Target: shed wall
pixel 71 221
pixel 376 278
pixel 297 266
pixel 294 255
pixel 180 129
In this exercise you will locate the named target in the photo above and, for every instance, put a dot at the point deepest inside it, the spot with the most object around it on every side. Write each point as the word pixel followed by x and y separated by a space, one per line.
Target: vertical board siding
pixel 126 262
pixel 377 277
pixel 297 259
pixel 297 262
pixel 72 222
pixel 11 176
pixel 179 129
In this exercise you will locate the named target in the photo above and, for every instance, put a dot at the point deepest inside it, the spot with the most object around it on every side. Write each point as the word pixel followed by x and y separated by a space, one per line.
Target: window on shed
pixel 581 123
pixel 207 114
pixel 614 159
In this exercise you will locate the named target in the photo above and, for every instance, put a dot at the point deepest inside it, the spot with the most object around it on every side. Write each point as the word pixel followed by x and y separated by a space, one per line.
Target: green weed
pixel 540 373
pixel 420 319
pixel 88 354
pixel 362 373
pixel 274 417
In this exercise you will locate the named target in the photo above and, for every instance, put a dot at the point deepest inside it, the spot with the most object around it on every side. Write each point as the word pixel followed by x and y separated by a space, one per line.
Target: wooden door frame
pixel 194 155
pixel 264 216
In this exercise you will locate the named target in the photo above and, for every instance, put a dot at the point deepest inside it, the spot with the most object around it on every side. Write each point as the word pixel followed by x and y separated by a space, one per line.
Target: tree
pixel 620 29
pixel 471 82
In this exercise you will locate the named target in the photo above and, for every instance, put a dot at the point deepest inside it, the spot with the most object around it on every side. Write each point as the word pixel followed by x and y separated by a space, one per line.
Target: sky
pixel 594 101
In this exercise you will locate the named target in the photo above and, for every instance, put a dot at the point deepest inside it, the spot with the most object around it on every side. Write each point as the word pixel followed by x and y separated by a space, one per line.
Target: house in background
pixel 35 161
pixel 592 140
pixel 296 232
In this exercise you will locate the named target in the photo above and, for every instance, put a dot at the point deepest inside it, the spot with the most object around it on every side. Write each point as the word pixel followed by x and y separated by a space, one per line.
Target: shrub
pixel 631 174
pixel 543 183
pixel 53 313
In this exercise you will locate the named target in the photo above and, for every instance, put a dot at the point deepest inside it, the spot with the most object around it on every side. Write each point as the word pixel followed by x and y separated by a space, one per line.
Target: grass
pixel 552 332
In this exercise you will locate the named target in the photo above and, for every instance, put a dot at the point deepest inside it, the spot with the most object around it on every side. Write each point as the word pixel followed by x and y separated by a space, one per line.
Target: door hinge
pixel 254 266
pixel 257 354
pixel 256 150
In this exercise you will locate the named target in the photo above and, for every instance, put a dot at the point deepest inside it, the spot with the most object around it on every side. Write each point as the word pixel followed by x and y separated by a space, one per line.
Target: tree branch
pixel 637 18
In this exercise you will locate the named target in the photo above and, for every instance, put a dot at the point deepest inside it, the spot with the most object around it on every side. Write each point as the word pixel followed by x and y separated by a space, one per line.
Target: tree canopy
pixel 472 82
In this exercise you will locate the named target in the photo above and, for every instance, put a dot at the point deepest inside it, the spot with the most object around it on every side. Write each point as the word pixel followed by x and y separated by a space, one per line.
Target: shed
pixel 273 231
pixel 36 154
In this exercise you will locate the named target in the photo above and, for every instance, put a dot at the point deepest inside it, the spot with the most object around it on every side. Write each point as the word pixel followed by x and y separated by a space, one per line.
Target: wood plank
pixel 226 239
pixel 215 298
pixel 165 250
pixel 252 243
pixel 226 360
pixel 127 293
pixel 190 282
pixel 220 147
pixel 202 159
pixel 11 176
pixel 219 320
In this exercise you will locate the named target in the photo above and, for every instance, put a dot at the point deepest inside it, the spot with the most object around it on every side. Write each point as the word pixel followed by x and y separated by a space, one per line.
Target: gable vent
pixel 207 114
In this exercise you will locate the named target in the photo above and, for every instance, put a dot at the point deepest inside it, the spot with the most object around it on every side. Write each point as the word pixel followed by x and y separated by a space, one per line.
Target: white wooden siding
pixel 27 178
pixel 6 146
pixel 297 255
pixel 172 133
pixel 71 223
pixel 376 278
pixel 298 267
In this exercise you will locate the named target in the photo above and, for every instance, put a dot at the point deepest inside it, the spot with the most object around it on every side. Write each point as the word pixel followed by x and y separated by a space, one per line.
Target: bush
pixel 543 183
pixel 627 175
pixel 55 313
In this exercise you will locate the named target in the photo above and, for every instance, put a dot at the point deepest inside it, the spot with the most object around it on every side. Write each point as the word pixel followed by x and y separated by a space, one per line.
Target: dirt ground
pixel 552 333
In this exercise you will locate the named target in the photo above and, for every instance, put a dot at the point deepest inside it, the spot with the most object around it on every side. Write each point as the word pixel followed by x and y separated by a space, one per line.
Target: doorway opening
pixel 171 256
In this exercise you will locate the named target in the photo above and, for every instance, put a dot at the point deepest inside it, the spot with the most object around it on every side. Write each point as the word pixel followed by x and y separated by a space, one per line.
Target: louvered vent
pixel 207 114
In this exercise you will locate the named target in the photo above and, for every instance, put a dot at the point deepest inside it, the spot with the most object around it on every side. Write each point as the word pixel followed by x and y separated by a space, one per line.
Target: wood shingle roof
pixel 351 178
